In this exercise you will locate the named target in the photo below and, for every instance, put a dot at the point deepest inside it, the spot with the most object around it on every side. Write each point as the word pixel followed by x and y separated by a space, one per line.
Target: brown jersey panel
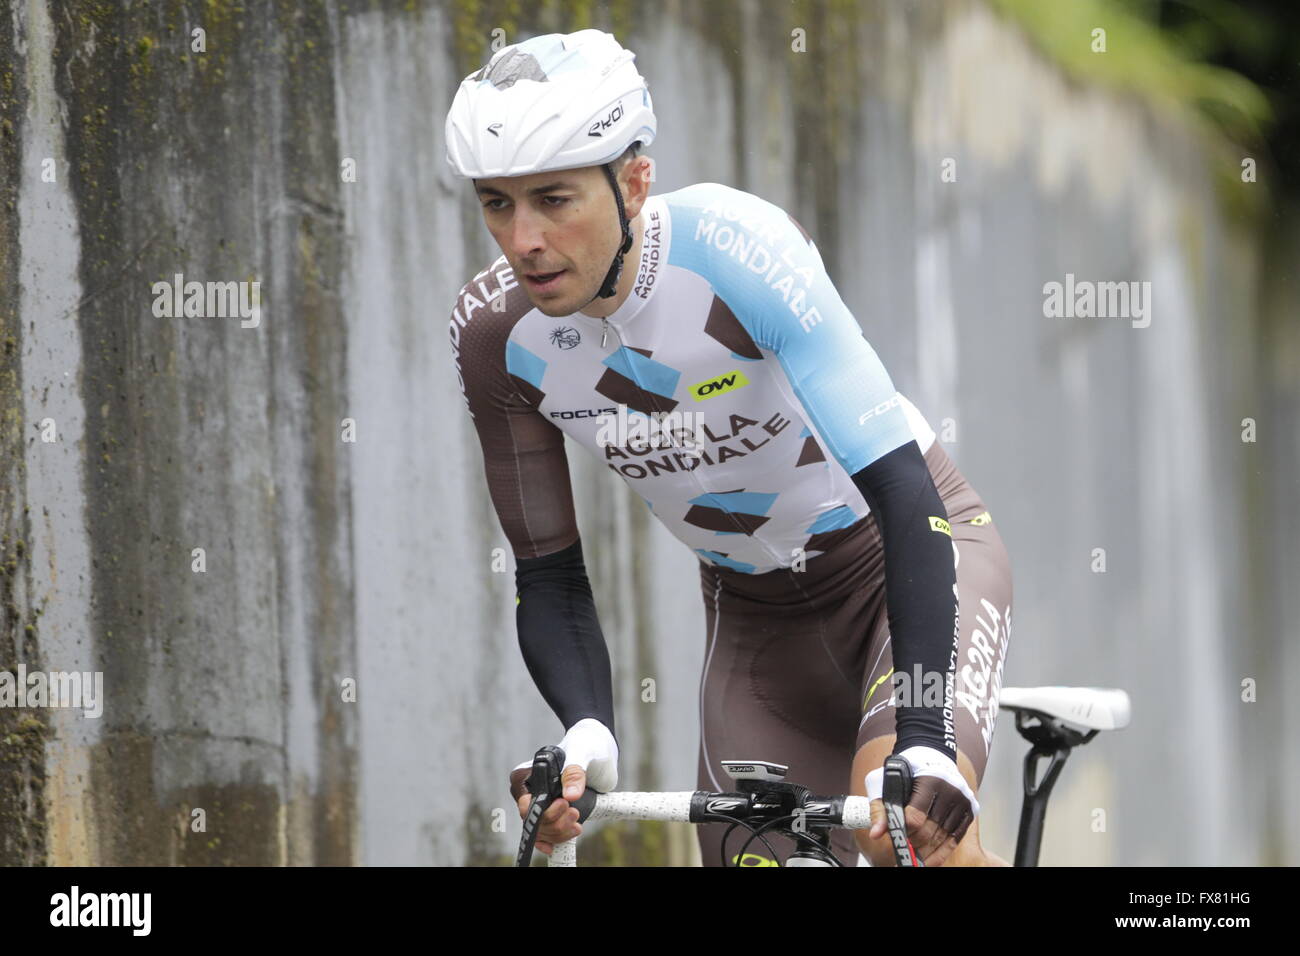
pixel 523 454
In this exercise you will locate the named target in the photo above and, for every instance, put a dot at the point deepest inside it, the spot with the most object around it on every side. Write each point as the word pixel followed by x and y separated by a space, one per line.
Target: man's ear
pixel 637 173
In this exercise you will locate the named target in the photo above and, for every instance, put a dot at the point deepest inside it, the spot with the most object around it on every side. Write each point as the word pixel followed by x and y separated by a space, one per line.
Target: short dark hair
pixel 627 156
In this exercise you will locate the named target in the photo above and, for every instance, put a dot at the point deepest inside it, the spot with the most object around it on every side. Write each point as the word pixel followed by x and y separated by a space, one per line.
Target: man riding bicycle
pixel 857 595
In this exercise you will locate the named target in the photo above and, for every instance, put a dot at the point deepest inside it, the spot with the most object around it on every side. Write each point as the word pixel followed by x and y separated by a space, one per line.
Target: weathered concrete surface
pixel 379 560
pixel 223 687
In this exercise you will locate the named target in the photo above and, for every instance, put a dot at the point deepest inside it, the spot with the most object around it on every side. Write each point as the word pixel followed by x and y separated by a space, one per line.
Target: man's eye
pixel 488 204
pixel 556 200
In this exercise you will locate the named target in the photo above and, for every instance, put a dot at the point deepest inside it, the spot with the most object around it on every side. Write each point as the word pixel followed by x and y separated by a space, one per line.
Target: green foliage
pixel 1159 66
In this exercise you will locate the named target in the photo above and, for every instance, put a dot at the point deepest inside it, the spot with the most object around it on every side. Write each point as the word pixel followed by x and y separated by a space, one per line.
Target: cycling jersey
pixel 719 390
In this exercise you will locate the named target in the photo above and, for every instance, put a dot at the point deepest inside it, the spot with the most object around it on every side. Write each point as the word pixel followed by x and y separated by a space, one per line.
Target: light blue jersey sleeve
pixel 771 277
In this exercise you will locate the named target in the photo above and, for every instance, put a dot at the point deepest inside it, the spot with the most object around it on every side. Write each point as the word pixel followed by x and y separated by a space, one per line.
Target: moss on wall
pixel 23 824
pixel 154 172
pixel 475 23
pixel 1230 113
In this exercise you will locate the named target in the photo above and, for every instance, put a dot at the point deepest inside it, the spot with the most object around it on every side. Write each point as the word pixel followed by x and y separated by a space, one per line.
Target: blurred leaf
pixel 1141 58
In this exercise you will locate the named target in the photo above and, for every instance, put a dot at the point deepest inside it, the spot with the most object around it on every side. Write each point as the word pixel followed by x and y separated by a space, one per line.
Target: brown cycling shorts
pixel 797 664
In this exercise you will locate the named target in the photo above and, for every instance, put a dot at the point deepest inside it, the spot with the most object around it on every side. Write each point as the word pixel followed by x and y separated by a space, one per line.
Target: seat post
pixel 1034 809
pixel 1050 739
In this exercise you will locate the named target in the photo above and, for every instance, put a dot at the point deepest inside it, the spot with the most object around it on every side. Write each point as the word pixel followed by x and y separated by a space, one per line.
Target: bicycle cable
pixel 820 850
pixel 757 833
pixel 722 851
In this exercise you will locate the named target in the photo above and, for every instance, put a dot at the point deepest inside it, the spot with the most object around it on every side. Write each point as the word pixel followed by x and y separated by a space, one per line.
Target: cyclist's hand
pixel 560 821
pixel 940 810
pixel 589 749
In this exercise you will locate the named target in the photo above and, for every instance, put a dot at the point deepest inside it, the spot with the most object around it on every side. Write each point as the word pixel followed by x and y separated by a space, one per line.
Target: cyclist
pixel 857 596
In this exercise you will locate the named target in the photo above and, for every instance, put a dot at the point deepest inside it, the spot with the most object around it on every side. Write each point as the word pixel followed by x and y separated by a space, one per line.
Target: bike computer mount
pixel 764 781
pixel 755 770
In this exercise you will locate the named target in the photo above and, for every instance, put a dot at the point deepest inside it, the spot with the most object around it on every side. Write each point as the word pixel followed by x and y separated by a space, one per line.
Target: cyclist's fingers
pixel 940 854
pixel 518 777
pixel 573 830
pixel 916 821
pixel 551 813
pixel 560 837
pixel 554 811
pixel 526 801
pixel 934 845
pixel 958 822
pixel 913 818
pixel 934 837
pixel 924 833
pixel 564 827
pixel 878 823
pixel 563 822
pixel 574 779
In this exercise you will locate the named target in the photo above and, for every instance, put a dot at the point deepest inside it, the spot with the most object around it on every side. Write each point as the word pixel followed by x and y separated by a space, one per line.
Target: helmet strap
pixel 610 286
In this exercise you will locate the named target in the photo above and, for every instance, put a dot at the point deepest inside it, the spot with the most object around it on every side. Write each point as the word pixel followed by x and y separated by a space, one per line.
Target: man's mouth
pixel 541 281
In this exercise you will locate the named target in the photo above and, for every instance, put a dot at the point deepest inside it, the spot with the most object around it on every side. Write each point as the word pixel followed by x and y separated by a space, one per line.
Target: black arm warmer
pixel 920 592
pixel 560 636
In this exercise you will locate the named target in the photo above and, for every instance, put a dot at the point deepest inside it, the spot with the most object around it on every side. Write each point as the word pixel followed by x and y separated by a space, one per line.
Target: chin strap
pixel 610 285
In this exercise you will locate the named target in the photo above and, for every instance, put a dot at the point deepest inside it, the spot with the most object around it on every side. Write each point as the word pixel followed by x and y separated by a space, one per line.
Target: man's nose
pixel 525 234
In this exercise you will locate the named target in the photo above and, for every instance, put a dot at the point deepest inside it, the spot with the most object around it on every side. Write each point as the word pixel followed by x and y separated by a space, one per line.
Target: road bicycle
pixel 1054 720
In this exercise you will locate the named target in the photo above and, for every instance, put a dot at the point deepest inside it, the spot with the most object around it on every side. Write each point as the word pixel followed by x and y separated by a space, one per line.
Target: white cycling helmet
pixel 557 101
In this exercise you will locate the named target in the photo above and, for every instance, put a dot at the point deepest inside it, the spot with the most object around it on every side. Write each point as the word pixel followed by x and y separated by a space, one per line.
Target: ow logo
pixel 716 386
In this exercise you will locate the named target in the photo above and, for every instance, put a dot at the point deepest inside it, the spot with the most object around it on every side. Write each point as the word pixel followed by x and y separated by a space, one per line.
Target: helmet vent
pixel 511 67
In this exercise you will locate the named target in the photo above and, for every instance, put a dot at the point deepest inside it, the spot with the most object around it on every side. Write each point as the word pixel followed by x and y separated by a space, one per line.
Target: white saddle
pixel 1086 708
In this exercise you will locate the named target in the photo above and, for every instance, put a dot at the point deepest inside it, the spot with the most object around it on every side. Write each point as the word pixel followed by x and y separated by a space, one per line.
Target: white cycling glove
pixel 926 762
pixel 591 746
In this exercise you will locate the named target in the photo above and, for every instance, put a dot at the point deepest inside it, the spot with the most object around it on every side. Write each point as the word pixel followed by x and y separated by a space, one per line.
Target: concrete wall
pixel 324 462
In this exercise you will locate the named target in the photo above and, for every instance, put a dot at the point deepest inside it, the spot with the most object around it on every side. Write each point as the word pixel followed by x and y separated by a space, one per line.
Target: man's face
pixel 554 222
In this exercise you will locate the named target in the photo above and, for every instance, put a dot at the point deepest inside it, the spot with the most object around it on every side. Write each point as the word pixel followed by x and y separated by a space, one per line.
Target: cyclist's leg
pixel 984 592
pixel 780 683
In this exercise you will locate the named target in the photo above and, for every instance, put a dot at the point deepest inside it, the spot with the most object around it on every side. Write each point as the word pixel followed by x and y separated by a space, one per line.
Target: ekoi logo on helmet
pixel 599 127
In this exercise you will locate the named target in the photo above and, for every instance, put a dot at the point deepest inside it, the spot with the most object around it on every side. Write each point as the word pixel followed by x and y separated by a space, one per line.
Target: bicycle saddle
pixel 1085 708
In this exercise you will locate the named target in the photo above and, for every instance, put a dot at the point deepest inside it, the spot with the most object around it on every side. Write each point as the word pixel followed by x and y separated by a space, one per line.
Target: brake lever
pixel 895 793
pixel 544 785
